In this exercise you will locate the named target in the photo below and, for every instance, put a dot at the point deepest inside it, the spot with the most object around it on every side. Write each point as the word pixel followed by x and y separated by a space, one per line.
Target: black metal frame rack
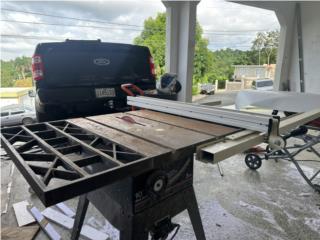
pixel 60 152
pixel 254 161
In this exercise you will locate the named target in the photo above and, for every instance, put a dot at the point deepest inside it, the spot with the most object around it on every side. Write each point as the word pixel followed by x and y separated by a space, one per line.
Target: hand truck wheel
pixel 253 161
pixel 278 152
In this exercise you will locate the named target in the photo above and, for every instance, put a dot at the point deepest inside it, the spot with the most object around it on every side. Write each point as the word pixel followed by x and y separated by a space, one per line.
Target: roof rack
pixel 83 41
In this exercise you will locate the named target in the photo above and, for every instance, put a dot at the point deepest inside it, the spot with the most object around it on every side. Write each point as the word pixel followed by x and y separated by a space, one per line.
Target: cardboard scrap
pixel 44 224
pixel 91 233
pixel 23 216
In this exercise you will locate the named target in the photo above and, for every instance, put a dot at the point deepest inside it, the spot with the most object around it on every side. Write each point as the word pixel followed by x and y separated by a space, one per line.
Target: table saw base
pixel 138 226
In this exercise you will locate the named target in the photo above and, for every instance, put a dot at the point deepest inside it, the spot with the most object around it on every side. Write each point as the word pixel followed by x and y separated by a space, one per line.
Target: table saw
pixel 136 167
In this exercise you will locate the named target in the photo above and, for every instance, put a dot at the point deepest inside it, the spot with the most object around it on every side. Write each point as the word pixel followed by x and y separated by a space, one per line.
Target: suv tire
pixel 27 121
pixel 44 117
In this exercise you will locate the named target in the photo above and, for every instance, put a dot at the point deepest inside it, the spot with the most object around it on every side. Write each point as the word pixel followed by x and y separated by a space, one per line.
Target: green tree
pixel 7 74
pixel 258 43
pixel 271 44
pixel 268 43
pixel 223 61
pixel 11 71
pixel 153 36
pixel 22 67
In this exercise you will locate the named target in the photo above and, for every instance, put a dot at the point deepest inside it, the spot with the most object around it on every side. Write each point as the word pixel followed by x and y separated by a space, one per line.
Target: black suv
pixel 81 78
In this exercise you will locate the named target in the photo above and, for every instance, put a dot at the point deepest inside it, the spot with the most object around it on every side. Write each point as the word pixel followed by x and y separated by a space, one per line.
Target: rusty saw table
pixel 136 167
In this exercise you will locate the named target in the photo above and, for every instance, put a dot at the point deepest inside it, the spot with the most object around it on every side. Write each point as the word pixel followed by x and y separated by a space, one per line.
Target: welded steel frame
pixel 246 120
pixel 42 143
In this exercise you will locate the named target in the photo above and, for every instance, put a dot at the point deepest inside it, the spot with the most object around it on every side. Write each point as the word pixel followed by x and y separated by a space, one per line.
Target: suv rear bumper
pixel 82 100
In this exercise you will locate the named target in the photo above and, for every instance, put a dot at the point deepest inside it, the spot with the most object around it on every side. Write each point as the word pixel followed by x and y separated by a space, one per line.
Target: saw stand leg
pixel 80 215
pixel 194 214
pixel 316 187
pixel 138 227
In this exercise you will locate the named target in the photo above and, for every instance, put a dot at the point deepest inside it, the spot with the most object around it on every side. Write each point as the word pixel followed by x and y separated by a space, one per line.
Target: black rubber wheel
pixel 253 161
pixel 27 121
pixel 42 117
pixel 277 153
pixel 46 116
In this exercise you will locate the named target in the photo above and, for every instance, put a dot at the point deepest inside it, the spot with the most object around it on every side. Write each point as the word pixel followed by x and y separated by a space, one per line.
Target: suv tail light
pixel 37 67
pixel 152 68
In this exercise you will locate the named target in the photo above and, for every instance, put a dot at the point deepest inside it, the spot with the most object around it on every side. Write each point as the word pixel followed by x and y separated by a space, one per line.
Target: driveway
pixel 226 98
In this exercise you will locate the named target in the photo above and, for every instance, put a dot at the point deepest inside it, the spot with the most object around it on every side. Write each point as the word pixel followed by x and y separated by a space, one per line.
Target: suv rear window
pixel 94 63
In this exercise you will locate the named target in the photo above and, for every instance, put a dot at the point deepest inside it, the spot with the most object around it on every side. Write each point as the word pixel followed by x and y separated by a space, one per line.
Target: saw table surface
pixel 122 144
pixel 164 130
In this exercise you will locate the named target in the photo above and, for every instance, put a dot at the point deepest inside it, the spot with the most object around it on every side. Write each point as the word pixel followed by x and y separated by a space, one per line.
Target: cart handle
pixel 127 88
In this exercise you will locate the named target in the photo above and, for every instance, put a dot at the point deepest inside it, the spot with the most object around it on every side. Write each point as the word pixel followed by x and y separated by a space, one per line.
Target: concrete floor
pixel 226 98
pixel 271 203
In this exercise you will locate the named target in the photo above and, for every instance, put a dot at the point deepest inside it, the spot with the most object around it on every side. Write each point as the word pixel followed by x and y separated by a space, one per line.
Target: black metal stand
pixel 138 226
pixel 80 215
pixel 289 153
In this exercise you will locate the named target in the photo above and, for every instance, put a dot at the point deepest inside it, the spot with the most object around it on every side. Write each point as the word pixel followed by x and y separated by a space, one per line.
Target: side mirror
pixel 31 93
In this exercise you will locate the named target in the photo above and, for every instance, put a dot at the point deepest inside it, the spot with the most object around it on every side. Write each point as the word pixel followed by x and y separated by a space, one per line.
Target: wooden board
pixel 136 144
pixel 188 123
pixel 163 134
pixel 19 233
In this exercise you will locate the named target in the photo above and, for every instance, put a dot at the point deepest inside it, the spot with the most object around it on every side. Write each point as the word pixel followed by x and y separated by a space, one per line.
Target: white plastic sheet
pixel 278 100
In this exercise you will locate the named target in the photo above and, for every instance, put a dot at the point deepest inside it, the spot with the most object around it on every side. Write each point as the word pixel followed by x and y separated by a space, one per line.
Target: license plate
pixel 105 92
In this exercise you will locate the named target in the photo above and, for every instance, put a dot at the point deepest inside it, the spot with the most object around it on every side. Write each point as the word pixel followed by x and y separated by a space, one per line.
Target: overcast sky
pixel 225 24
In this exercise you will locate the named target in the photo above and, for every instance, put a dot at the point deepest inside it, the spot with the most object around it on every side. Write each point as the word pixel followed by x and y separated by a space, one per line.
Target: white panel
pixel 287 60
pixel 22 214
pixel 311 44
pixel 180 42
pixel 294 75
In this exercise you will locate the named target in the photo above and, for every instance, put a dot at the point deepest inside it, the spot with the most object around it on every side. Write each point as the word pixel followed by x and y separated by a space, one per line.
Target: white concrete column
pixel 287 19
pixel 180 43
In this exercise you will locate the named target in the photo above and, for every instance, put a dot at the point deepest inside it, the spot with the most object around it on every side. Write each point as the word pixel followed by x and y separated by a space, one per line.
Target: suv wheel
pixel 42 117
pixel 27 121
pixel 46 117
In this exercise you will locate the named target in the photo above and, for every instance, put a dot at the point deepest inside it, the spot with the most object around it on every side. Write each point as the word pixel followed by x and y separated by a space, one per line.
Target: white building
pixel 9 96
pixel 297 62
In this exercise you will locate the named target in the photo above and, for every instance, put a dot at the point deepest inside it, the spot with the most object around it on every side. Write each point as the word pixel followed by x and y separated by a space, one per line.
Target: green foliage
pixel 222 61
pixel 202 57
pixel 26 82
pixel 7 74
pixel 266 45
pixel 195 89
pixel 153 36
pixel 13 70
